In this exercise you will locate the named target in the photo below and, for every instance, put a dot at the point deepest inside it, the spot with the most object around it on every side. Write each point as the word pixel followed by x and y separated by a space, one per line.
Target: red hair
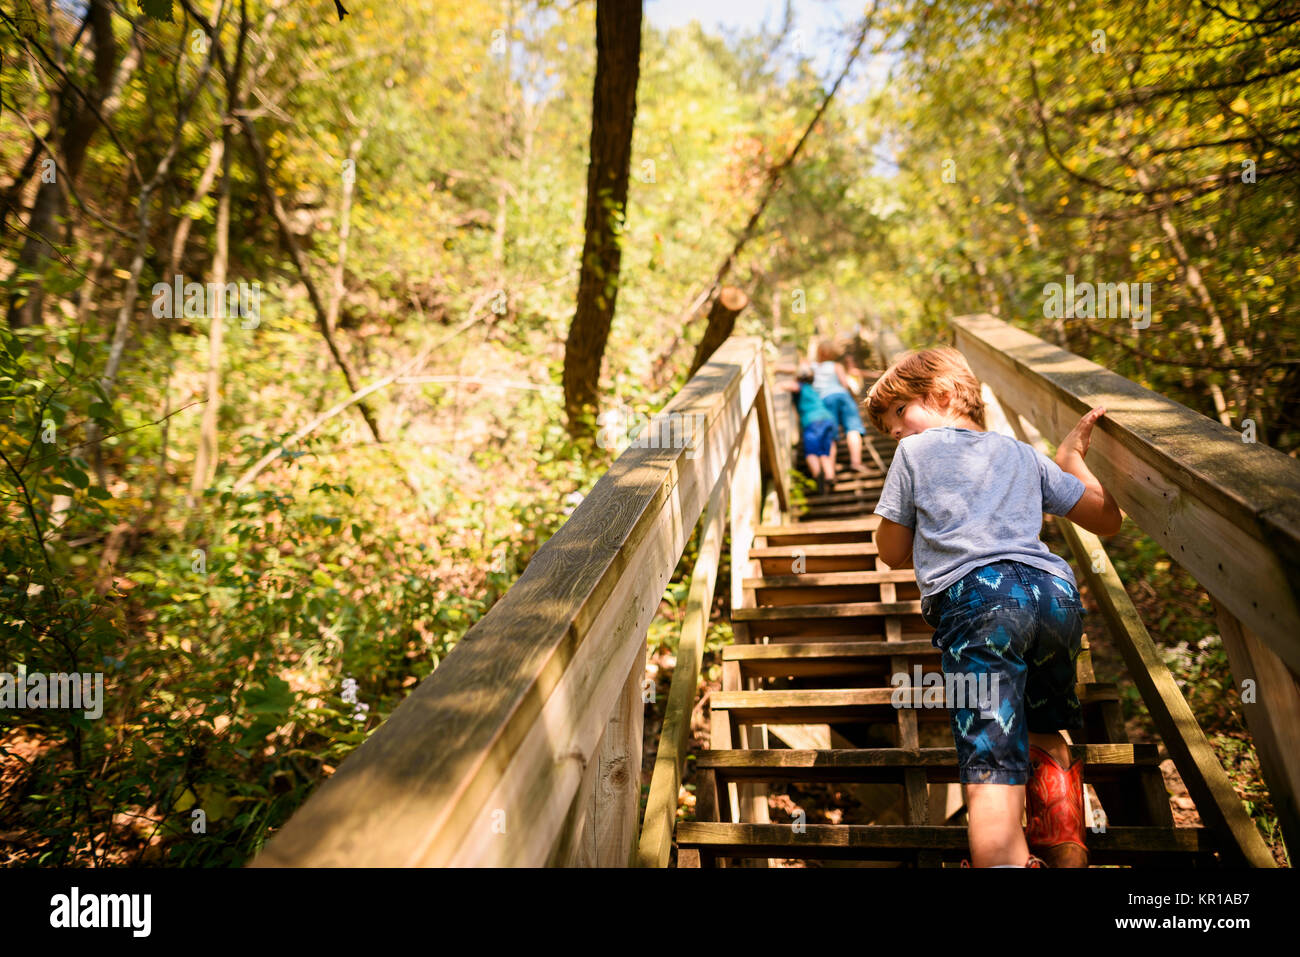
pixel 926 375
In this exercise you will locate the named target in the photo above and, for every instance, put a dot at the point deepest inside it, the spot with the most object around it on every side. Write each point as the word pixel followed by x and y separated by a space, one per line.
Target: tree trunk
pixel 205 459
pixel 618 54
pixel 75 123
pixel 722 320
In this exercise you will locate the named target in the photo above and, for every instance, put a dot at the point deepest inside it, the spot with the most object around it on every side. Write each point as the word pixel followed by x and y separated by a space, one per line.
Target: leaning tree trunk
pixel 618 53
pixel 77 120
pixel 722 320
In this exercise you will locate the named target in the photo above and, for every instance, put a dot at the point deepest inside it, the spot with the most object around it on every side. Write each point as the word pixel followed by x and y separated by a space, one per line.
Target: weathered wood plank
pixel 832 578
pixel 831 530
pixel 746 502
pixel 832 650
pixel 1272 714
pixel 848 609
pixel 821 840
pixel 665 784
pixel 775 456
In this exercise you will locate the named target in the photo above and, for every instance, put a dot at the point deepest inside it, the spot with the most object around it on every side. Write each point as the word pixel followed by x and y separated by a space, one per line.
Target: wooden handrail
pixel 1226 510
pixel 655 846
pixel 487 760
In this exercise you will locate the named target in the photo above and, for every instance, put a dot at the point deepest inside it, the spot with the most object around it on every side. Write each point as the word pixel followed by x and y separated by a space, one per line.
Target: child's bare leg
pixel 855 450
pixel 996 836
pixel 1054 744
pixel 828 463
pixel 815 465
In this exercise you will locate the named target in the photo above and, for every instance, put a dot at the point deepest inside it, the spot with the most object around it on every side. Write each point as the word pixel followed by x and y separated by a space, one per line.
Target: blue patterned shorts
pixel 1022 626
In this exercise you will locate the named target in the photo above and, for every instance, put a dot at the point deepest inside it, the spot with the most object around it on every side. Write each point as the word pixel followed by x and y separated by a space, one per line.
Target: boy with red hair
pixel 967 506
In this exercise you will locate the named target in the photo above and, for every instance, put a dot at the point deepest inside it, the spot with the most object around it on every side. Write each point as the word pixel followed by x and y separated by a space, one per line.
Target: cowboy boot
pixel 1054 805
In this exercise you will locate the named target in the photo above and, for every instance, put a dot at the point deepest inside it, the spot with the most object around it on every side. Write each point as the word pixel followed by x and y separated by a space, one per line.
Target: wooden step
pixel 1102 762
pixel 1115 845
pixel 820 579
pixel 844 556
pixel 830 705
pixel 822 658
pixel 841 496
pixel 814 706
pixel 829 587
pixel 815 533
pixel 860 620
pixel 816 513
pixel 853 484
pixel 848 609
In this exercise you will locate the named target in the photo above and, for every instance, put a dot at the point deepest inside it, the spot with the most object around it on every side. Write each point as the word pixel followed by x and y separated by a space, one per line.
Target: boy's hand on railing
pixel 1096 510
pixel 1080 437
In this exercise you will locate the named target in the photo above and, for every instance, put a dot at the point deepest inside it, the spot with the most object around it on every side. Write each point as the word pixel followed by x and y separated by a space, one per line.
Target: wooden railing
pixel 733 507
pixel 523 748
pixel 1225 509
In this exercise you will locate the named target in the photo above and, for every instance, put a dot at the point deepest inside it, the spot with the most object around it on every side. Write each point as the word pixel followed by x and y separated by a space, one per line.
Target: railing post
pixel 1271 704
pixel 775 451
pixel 602 826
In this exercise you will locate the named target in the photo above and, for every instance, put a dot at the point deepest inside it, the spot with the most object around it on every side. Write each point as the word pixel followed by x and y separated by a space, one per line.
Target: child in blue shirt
pixel 819 429
pixel 965 506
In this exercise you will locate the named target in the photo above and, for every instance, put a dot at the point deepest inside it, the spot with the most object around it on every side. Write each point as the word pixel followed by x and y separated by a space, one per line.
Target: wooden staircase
pixel 522 749
pixel 823 626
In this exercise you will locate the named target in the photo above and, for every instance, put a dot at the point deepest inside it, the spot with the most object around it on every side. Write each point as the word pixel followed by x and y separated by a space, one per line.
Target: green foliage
pixel 250 640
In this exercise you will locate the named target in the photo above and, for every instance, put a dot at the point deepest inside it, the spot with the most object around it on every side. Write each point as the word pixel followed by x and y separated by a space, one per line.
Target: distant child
pixel 966 506
pixel 832 383
pixel 819 430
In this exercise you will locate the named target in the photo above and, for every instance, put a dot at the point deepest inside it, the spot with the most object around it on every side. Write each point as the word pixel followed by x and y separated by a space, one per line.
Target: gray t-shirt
pixel 973 498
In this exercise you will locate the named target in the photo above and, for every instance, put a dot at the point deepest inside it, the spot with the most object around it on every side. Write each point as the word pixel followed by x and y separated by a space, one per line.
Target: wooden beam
pixel 745 519
pixel 1226 510
pixel 601 828
pixel 1272 711
pixel 776 455
pixel 655 847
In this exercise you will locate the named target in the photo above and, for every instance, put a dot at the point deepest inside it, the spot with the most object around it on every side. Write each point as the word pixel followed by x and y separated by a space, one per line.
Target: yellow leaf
pixel 121 274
